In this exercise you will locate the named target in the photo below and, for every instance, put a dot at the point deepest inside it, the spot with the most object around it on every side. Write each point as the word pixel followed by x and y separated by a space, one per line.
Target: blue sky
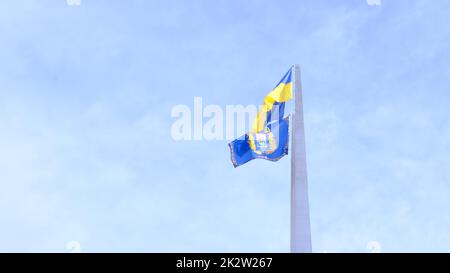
pixel 86 153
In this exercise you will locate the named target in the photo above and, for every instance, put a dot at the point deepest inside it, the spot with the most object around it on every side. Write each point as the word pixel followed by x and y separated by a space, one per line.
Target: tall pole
pixel 300 225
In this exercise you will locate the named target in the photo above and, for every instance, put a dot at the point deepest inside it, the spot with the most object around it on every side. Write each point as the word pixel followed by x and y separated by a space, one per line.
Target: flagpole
pixel 300 224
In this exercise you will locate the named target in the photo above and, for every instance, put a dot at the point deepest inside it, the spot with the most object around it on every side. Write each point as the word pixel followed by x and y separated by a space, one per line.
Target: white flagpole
pixel 300 225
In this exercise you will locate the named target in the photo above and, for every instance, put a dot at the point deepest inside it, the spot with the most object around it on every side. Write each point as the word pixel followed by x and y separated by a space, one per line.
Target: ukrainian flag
pixel 269 138
pixel 273 106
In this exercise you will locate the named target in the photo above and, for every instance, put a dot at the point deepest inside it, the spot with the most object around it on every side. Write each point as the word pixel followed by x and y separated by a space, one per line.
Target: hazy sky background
pixel 86 153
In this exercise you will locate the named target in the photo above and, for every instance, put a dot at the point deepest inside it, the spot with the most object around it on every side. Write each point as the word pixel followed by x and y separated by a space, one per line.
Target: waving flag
pixel 269 138
pixel 273 106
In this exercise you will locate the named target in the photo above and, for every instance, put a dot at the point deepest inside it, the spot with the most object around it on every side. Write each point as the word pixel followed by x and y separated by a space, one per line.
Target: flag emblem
pixel 262 142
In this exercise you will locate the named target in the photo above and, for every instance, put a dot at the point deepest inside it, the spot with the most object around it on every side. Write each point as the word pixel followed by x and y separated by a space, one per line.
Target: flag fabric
pixel 271 144
pixel 273 107
pixel 269 138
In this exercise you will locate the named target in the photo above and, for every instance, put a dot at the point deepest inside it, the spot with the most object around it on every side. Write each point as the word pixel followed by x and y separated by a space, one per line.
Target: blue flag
pixel 269 138
pixel 271 144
